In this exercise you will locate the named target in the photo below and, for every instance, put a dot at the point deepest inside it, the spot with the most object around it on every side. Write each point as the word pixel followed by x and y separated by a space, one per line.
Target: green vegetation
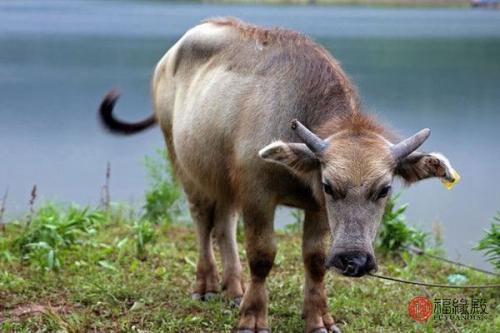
pixel 395 234
pixel 162 196
pixel 490 243
pixel 102 285
pixel 54 230
pixel 144 235
pixel 80 269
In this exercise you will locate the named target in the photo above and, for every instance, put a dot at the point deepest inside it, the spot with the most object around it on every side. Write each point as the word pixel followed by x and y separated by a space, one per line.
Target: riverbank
pixel 369 3
pixel 101 285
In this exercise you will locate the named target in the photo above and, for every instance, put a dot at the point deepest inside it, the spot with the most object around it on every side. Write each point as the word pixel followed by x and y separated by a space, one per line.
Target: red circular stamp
pixel 420 308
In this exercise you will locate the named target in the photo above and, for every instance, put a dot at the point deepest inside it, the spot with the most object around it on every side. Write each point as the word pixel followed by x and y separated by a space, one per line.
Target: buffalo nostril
pixel 353 263
pixel 350 268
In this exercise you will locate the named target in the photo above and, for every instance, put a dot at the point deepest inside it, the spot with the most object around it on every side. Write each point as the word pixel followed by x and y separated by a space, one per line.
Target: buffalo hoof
pixel 319 330
pixel 196 297
pixel 203 297
pixel 236 301
pixel 209 295
pixel 248 330
pixel 335 329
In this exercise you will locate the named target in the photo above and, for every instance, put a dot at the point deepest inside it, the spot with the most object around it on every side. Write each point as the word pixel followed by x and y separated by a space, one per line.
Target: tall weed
pixel 490 243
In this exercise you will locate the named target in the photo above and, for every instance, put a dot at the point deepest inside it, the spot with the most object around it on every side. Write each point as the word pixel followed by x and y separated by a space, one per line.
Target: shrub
pixel 144 234
pixel 54 229
pixel 490 243
pixel 394 233
pixel 298 221
pixel 162 196
pixel 5 252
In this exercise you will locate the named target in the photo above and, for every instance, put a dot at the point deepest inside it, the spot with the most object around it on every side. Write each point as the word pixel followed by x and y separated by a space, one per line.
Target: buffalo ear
pixel 418 166
pixel 296 156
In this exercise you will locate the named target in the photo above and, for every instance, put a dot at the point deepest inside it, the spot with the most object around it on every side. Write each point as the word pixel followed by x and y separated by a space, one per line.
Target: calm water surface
pixel 415 68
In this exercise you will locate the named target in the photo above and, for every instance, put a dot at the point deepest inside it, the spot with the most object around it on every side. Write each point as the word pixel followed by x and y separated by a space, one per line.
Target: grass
pixel 490 243
pixel 163 196
pixel 73 269
pixel 394 233
pixel 54 230
pixel 102 285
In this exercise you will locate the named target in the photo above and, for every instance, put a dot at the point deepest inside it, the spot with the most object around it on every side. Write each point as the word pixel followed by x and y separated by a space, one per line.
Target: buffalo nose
pixel 353 263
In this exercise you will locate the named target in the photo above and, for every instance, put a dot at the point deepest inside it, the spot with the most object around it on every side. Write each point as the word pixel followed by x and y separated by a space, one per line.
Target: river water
pixel 415 68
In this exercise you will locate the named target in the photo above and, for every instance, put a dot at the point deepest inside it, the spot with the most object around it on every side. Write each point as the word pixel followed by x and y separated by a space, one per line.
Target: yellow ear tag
pixel 456 178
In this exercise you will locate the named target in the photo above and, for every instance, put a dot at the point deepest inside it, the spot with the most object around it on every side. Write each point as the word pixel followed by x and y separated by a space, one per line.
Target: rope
pixel 435 285
pixel 421 252
pixel 422 285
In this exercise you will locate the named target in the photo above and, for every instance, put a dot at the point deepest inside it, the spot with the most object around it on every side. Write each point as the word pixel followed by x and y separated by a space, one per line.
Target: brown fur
pixel 354 124
pixel 224 96
pixel 315 264
pixel 323 84
pixel 315 308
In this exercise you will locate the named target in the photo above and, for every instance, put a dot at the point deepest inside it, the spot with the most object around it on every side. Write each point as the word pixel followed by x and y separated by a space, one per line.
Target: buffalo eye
pixel 384 192
pixel 328 189
pixel 334 194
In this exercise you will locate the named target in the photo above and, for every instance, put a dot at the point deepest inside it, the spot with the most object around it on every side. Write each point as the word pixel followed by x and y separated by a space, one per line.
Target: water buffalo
pixel 254 118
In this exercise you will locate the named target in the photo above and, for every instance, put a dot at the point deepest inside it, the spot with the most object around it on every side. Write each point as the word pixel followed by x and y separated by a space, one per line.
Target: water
pixel 437 68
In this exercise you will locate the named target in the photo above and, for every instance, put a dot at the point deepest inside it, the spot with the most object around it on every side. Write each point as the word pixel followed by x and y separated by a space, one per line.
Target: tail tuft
pixel 115 126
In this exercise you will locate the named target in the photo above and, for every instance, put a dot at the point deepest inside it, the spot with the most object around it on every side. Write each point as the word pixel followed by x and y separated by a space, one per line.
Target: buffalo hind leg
pixel 315 311
pixel 202 212
pixel 225 234
pixel 261 250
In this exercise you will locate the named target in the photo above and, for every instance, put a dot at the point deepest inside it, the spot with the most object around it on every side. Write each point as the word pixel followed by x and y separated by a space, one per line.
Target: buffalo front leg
pixel 202 212
pixel 261 251
pixel 316 314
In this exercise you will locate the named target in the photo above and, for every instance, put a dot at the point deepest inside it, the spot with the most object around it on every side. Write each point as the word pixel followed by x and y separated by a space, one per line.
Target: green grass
pixel 163 197
pixel 102 285
pixel 394 233
pixel 490 243
pixel 82 270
